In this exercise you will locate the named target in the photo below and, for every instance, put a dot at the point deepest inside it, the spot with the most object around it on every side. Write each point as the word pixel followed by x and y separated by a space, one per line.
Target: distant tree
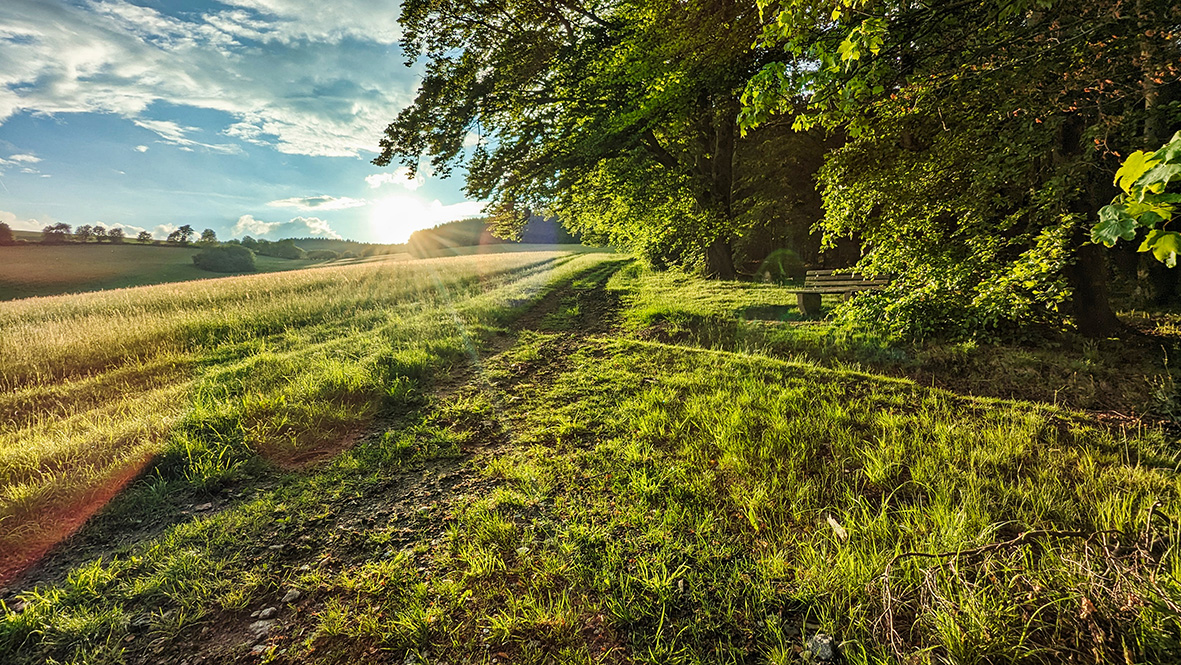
pixel 181 236
pixel 225 258
pixel 208 237
pixel 144 237
pixel 100 232
pixel 323 254
pixel 6 235
pixel 247 241
pixel 55 234
pixel 116 236
pixel 84 233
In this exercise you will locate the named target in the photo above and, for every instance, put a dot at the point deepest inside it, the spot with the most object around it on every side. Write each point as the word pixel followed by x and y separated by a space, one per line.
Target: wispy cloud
pixel 171 132
pixel 400 176
pixel 321 202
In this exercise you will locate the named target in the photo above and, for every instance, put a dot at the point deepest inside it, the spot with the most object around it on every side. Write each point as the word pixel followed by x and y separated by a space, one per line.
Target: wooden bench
pixel 819 282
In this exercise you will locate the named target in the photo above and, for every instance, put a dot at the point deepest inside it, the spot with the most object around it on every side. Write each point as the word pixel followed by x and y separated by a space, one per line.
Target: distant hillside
pixel 345 246
pixel 474 232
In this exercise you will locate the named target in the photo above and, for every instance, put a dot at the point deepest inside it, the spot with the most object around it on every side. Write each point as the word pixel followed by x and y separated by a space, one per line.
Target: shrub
pixel 323 254
pixel 225 258
pixel 6 235
pixel 284 249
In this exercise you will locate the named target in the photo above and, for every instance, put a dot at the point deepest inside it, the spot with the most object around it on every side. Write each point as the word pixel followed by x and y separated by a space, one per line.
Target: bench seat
pixel 820 282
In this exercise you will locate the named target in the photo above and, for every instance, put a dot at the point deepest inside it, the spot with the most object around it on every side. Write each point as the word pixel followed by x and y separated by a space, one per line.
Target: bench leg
pixel 809 304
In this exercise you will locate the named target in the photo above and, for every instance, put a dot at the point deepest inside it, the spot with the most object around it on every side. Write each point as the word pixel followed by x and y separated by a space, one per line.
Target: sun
pixel 394 218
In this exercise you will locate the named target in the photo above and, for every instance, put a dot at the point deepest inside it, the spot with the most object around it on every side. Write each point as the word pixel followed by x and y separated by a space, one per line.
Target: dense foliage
pixel 225 258
pixel 6 237
pixel 983 139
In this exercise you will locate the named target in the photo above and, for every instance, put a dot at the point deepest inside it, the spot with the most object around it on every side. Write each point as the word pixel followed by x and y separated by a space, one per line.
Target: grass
pixel 607 497
pixel 1125 379
pixel 213 374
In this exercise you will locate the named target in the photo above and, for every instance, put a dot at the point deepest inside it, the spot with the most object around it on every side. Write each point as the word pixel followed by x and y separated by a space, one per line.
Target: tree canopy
pixel 983 139
pixel 562 99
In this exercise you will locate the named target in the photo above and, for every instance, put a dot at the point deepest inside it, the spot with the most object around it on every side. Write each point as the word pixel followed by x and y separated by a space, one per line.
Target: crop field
pixel 47 270
pixel 555 458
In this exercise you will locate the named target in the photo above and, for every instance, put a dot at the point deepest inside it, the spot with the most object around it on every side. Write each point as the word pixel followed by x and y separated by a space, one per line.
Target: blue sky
pixel 254 117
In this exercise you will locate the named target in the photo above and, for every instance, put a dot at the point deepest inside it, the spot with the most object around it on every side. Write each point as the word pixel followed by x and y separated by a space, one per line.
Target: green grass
pixel 48 270
pixel 215 376
pixel 608 498
pixel 1126 378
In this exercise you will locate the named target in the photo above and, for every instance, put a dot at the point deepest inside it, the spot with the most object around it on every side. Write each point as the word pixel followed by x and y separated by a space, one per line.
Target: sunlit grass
pixel 215 373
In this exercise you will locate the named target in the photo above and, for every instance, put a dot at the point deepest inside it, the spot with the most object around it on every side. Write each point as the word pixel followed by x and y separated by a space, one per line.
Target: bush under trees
pixel 225 258
pixel 6 237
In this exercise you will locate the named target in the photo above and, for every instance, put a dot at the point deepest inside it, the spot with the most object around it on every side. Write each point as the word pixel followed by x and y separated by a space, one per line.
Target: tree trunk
pixel 1087 276
pixel 719 260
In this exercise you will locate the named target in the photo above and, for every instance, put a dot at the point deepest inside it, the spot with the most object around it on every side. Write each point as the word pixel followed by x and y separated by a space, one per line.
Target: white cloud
pixel 320 202
pixel 302 76
pixel 141 148
pixel 25 158
pixel 129 229
pixel 297 227
pixel 161 232
pixel 174 134
pixel 400 176
pixel 24 224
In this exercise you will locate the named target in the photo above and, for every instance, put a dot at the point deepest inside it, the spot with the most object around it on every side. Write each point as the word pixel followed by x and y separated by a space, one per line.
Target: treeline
pixel 965 148
pixel 475 231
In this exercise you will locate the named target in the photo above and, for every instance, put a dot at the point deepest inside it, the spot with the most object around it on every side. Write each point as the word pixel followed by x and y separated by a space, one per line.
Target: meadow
pixel 536 458
pixel 46 270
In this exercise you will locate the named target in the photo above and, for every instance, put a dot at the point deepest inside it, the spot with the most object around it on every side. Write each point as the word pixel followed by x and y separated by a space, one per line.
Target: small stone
pixel 260 628
pixel 268 613
pixel 291 596
pixel 205 506
pixel 254 614
pixel 822 649
pixel 274 547
pixel 258 648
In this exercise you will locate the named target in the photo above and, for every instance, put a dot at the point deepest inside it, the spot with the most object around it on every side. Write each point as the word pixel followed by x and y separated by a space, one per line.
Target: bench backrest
pixel 843 278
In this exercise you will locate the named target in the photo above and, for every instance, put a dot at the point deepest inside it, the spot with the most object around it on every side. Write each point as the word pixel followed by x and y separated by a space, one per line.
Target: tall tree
pixel 84 233
pixel 6 234
pixel 984 137
pixel 563 93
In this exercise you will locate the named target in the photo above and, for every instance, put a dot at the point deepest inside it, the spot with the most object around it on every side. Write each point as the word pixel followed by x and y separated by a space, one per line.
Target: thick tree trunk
pixel 1091 310
pixel 719 260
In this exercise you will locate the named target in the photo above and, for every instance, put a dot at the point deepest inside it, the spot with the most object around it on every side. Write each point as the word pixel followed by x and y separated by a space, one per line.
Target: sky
pixel 248 117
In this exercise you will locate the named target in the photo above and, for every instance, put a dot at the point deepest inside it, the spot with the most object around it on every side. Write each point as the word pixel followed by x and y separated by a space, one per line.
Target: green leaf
pixel 1134 167
pixel 1164 245
pixel 848 50
pixel 1161 173
pixel 1138 209
pixel 1114 223
pixel 1171 152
